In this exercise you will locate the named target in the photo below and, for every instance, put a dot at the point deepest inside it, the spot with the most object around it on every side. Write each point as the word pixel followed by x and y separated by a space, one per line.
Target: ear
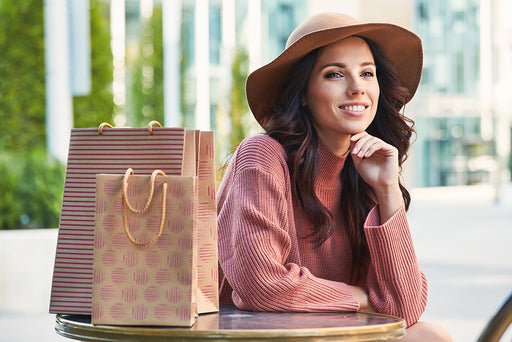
pixel 303 101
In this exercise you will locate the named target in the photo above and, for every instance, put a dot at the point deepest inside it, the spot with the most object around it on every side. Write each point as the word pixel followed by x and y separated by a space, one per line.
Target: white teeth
pixel 354 108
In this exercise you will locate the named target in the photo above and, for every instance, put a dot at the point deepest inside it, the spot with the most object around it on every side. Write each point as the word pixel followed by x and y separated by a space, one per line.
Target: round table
pixel 238 325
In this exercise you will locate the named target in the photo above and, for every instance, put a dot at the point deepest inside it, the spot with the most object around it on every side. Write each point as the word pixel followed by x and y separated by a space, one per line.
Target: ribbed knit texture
pixel 268 265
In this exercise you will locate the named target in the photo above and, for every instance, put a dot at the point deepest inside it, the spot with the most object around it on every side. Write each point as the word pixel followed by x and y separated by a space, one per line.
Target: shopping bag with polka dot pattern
pixel 145 250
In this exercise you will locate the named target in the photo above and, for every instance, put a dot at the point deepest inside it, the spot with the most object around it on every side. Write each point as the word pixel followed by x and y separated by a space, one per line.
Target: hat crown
pixel 319 22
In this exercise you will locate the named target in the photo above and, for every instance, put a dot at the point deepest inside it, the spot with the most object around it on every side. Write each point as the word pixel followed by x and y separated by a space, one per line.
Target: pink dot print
pixel 117 205
pixel 176 225
pixel 163 276
pixel 119 276
pixel 173 295
pixel 185 277
pixel 164 241
pixel 141 277
pixel 131 258
pixel 109 258
pixel 99 240
pixel 97 311
pixel 110 222
pixel 133 189
pixel 151 294
pixel 183 313
pixel 129 294
pixel 174 259
pixel 111 187
pixel 101 206
pixel 134 223
pixel 187 208
pixel 120 240
pixel 107 293
pixel 98 276
pixel 186 243
pixel 162 312
pixel 153 258
pixel 140 312
pixel 153 223
pixel 176 190
pixel 117 311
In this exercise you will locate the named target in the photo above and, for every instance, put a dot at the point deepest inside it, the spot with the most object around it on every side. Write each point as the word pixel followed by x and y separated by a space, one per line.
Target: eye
pixel 333 74
pixel 368 74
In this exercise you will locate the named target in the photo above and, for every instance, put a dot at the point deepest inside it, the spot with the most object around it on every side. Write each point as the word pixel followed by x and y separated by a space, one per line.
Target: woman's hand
pixel 377 163
pixel 362 297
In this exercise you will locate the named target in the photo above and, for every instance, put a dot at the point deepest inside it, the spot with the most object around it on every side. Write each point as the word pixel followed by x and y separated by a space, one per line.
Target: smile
pixel 353 108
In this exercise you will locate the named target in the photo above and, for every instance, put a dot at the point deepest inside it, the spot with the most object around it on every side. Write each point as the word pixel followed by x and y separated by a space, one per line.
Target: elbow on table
pixel 409 307
pixel 254 301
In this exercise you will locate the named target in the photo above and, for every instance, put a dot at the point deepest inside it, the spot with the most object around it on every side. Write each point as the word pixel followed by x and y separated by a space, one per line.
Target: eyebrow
pixel 341 65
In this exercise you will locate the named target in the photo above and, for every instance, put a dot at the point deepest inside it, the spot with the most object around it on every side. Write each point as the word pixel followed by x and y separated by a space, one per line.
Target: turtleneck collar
pixel 329 167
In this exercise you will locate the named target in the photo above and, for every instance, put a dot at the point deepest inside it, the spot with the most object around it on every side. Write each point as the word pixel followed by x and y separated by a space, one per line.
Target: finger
pixel 357 141
pixel 363 145
pixel 370 148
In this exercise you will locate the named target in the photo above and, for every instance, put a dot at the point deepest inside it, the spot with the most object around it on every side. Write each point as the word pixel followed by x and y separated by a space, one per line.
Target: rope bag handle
pixel 126 204
pixel 151 124
pixel 102 126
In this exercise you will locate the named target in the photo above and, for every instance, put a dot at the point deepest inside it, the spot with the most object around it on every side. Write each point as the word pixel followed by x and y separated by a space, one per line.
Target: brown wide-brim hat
pixel 401 45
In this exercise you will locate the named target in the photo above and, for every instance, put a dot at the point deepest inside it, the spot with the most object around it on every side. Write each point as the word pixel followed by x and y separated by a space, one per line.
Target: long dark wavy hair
pixel 291 125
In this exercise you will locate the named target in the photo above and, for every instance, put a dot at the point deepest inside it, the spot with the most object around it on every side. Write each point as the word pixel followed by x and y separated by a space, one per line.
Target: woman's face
pixel 343 92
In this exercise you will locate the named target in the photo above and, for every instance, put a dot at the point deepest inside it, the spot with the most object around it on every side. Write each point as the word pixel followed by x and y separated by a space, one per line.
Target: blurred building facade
pixel 462 112
pixel 462 109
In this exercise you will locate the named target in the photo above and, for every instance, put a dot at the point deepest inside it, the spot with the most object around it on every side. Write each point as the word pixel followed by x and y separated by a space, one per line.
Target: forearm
pixel 389 200
pixel 396 284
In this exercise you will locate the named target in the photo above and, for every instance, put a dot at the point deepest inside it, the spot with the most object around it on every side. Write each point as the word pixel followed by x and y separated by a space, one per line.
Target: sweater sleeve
pixel 254 241
pixel 396 284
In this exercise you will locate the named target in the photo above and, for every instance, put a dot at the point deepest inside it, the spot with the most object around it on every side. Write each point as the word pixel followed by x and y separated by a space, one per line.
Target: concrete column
pixel 80 47
pixel 255 36
pixel 202 56
pixel 171 25
pixel 59 105
pixel 118 45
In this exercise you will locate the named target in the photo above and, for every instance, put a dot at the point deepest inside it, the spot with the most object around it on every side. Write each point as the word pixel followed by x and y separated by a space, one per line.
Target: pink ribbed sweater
pixel 266 265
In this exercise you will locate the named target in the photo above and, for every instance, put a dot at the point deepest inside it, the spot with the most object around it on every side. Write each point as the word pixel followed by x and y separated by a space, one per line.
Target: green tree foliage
pixel 148 86
pixel 97 107
pixel 31 183
pixel 22 76
pixel 31 191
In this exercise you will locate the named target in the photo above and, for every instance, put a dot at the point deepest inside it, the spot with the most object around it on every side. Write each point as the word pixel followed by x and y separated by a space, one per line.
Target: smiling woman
pixel 312 214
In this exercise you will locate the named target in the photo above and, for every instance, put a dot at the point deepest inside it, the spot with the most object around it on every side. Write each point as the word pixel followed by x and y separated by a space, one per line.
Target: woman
pixel 311 215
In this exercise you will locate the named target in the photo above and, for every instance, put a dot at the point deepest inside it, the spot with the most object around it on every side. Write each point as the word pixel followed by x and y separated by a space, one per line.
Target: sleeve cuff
pixel 373 218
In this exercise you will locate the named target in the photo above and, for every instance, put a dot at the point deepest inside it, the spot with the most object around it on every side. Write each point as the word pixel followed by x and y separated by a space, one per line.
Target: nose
pixel 355 87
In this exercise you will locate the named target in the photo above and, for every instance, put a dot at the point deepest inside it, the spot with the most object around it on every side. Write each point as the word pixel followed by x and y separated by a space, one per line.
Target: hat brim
pixel 402 46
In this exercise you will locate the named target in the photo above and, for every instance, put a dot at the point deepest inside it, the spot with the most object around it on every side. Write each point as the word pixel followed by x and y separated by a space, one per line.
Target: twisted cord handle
pixel 103 125
pixel 130 172
pixel 126 204
pixel 151 124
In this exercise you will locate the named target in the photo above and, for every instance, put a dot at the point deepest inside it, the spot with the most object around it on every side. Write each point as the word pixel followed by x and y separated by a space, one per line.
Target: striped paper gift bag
pixel 92 151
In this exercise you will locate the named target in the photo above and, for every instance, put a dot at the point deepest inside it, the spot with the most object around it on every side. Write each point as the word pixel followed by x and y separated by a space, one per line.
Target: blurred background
pixel 77 63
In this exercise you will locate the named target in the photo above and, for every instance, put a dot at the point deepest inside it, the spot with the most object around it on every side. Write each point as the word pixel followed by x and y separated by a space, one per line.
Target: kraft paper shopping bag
pixel 145 250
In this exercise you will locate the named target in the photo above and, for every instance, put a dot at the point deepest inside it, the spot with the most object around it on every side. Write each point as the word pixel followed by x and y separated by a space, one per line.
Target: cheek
pixel 318 97
pixel 375 93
